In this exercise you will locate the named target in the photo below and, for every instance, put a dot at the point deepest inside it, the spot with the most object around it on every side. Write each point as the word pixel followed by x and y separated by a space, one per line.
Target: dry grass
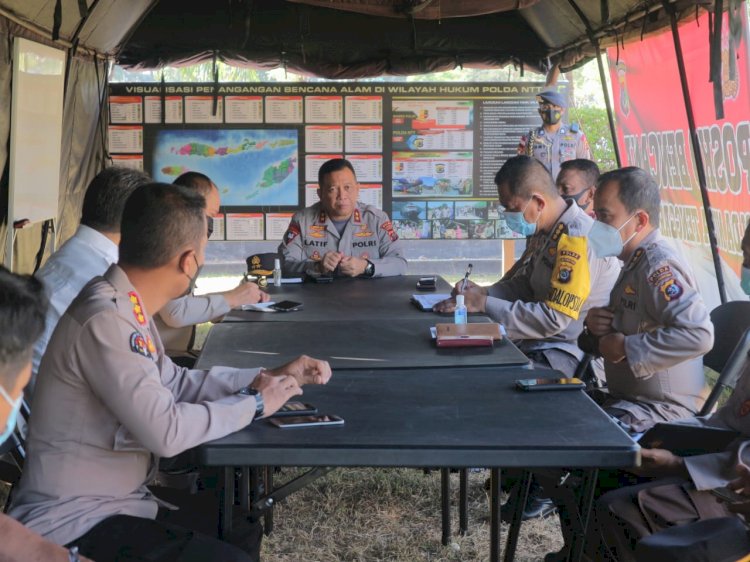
pixel 389 515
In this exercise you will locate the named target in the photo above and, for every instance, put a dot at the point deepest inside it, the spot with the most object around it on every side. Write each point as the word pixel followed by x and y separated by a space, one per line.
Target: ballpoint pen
pixel 466 277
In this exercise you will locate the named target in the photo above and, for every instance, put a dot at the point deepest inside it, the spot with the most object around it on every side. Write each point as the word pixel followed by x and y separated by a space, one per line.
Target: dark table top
pixel 363 344
pixel 381 298
pixel 426 417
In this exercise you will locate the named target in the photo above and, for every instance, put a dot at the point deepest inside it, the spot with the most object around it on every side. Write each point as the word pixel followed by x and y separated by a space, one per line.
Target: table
pixel 362 344
pixel 461 417
pixel 380 298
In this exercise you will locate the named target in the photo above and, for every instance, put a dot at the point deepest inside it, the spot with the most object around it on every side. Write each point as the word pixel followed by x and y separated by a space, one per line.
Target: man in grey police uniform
pixel 523 299
pixel 339 235
pixel 176 321
pixel 656 328
pixel 681 494
pixel 554 143
pixel 109 403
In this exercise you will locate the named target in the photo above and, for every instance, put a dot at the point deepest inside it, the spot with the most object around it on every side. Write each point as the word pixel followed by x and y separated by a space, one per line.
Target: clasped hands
pixel 349 266
pixel 282 383
pixel 611 343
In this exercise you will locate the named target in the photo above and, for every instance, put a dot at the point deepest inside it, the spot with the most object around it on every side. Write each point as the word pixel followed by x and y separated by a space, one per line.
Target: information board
pixel 426 153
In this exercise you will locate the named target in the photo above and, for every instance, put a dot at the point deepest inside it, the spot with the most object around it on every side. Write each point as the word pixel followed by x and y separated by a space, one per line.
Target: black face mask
pixel 550 116
pixel 191 286
pixel 210 225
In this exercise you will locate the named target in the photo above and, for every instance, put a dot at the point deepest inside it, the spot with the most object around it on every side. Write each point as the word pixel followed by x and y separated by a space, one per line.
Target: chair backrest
pixel 730 321
pixel 731 370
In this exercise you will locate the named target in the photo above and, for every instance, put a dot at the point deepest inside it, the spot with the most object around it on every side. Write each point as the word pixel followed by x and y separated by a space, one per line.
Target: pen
pixel 466 278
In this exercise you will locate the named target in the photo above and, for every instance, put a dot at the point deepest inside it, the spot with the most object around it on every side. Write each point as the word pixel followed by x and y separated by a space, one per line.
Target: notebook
pixel 427 301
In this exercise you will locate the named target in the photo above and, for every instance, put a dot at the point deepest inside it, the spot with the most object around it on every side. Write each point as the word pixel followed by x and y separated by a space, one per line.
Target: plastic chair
pixel 731 322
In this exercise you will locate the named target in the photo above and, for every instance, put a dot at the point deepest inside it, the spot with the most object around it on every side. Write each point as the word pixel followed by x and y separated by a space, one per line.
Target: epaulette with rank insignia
pixel 560 229
pixel 635 258
pixel 322 217
pixel 357 216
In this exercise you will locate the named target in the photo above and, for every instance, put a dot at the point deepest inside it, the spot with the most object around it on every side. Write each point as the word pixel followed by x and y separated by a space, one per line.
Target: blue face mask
pixel 745 280
pixel 605 240
pixel 10 425
pixel 517 223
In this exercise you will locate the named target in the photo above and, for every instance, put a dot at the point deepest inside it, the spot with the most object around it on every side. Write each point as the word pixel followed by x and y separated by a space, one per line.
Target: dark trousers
pixel 186 535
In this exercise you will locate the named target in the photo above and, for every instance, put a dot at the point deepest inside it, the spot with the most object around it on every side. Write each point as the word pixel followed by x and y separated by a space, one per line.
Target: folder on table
pixel 467 335
pixel 687 440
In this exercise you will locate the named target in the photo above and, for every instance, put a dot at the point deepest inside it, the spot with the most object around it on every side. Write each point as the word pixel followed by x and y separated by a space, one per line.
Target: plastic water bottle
pixel 277 272
pixel 459 316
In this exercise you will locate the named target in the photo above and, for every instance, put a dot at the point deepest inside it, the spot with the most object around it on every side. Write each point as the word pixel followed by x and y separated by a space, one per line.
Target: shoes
pixel 535 507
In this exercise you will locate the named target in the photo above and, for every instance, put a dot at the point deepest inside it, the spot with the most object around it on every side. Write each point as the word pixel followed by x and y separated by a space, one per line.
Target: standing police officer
pixel 554 143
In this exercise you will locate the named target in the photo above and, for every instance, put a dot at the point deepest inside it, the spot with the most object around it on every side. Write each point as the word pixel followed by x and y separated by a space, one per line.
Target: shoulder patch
pixel 388 227
pixel 292 232
pixel 671 289
pixel 135 300
pixel 660 275
pixel 139 345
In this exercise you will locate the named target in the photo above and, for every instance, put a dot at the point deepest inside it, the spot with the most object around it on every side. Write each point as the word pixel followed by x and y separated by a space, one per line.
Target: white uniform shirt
pixel 84 256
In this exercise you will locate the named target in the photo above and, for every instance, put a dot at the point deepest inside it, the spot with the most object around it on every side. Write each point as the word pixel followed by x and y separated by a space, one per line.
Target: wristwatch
pixel 250 391
pixel 369 269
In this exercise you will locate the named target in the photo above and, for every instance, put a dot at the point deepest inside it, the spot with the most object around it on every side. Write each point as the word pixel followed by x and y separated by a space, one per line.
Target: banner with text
pixel 653 134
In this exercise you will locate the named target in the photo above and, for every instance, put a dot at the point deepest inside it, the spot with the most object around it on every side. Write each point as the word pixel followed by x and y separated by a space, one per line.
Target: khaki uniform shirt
pixel 568 143
pixel 108 404
pixel 369 234
pixel 518 299
pixel 176 321
pixel 667 330
pixel 715 470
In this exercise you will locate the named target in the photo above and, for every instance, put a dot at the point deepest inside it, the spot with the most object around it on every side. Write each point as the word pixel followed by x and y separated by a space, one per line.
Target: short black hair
pixel 523 175
pixel 334 165
pixel 106 195
pixel 637 190
pixel 195 180
pixel 587 167
pixel 23 307
pixel 159 220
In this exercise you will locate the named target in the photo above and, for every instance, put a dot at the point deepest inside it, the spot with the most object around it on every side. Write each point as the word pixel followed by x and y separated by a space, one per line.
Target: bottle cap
pixel 459 300
pixel 277 263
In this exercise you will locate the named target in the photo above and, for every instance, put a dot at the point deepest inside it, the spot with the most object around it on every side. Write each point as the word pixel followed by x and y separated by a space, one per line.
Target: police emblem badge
pixel 139 345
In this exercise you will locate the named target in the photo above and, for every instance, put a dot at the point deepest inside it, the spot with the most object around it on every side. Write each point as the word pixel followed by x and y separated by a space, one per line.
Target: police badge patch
pixel 565 274
pixel 139 345
pixel 291 233
pixel 671 290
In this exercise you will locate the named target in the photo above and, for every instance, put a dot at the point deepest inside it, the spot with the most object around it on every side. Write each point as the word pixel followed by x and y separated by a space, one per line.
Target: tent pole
pixel 608 104
pixel 696 151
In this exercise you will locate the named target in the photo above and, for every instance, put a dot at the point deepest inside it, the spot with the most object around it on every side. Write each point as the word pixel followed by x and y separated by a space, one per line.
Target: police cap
pixel 261 264
pixel 553 97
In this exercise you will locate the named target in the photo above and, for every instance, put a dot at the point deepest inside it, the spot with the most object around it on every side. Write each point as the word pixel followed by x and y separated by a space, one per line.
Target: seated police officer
pixel 109 403
pixel 339 235
pixel 577 181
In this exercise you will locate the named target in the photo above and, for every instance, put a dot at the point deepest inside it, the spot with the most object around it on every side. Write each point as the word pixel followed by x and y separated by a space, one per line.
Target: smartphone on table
pixel 550 384
pixel 306 421
pixel 729 496
pixel 294 408
pixel 426 284
pixel 286 306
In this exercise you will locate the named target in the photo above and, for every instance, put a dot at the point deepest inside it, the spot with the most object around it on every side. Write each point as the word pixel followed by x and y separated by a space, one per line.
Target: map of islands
pixel 251 167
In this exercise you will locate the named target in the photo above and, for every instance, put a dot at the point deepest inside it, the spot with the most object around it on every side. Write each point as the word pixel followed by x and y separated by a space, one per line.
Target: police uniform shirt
pixel 552 149
pixel 176 321
pixel 369 234
pixel 521 299
pixel 667 330
pixel 108 404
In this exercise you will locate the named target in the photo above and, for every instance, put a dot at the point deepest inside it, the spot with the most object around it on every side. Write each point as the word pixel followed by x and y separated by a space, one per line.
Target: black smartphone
pixel 729 496
pixel 323 278
pixel 294 408
pixel 286 306
pixel 426 284
pixel 306 421
pixel 550 384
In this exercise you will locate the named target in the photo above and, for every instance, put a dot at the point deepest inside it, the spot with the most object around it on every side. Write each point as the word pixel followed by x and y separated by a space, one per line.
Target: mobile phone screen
pixel 307 421
pixel 729 496
pixel 286 306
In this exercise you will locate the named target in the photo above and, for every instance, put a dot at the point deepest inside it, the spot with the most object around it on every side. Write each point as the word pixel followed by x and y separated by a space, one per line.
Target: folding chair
pixel 731 322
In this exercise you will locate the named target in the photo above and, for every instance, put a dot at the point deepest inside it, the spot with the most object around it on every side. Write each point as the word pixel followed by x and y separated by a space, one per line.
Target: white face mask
pixel 605 240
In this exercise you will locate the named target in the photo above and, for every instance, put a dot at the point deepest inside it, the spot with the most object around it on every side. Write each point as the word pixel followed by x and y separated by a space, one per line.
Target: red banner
pixel 653 134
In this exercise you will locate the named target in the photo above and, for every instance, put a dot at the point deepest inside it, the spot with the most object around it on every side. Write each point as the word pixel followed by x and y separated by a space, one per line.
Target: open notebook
pixel 427 301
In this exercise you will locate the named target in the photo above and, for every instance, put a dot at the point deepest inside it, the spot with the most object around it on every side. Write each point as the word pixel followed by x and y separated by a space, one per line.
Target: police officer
pixel 339 235
pixel 109 403
pixel 554 143
pixel 656 328
pixel 177 319
pixel 543 299
pixel 624 516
